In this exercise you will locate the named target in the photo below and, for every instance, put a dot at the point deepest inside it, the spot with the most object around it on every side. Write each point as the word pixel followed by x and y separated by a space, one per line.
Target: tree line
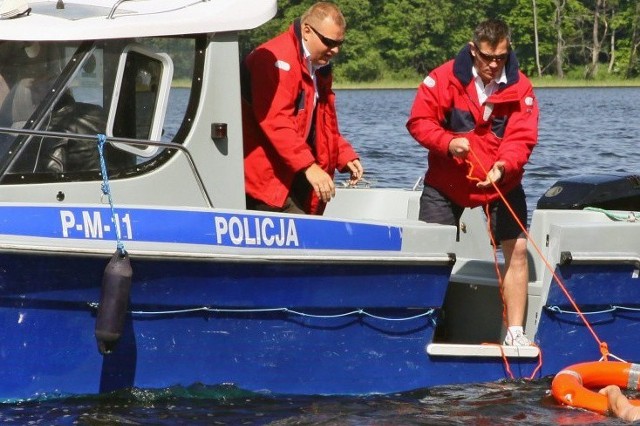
pixel 402 39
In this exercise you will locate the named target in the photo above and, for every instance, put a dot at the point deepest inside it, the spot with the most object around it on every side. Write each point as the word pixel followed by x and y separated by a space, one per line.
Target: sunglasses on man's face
pixel 491 58
pixel 329 42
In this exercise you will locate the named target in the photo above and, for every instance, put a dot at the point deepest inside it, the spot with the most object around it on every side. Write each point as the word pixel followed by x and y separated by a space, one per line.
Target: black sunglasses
pixel 329 42
pixel 491 58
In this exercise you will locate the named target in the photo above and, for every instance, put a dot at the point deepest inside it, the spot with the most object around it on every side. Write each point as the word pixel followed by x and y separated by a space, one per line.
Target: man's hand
pixel 356 170
pixel 459 147
pixel 494 175
pixel 619 404
pixel 321 182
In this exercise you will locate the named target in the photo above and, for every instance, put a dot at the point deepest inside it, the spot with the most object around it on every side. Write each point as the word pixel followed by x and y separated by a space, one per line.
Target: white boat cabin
pixel 164 72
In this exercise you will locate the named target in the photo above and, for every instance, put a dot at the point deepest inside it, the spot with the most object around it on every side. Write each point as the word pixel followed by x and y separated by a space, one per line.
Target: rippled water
pixel 582 131
pixel 516 402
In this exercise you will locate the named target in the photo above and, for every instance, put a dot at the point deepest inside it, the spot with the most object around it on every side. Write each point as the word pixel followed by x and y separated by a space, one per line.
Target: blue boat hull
pixel 609 297
pixel 289 327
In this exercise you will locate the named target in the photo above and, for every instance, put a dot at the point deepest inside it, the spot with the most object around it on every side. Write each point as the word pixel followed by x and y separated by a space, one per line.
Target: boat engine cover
pixel 611 192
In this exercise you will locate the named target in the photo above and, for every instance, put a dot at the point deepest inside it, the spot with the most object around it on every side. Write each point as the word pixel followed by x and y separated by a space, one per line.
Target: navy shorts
pixel 435 207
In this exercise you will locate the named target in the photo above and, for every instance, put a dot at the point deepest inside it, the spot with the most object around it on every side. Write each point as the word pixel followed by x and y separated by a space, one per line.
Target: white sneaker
pixel 517 338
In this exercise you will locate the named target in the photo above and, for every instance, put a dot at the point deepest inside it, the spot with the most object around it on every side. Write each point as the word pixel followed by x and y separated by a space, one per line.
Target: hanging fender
pixel 114 302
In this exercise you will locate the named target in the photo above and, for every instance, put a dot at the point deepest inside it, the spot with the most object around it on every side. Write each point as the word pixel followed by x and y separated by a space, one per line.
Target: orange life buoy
pixel 572 386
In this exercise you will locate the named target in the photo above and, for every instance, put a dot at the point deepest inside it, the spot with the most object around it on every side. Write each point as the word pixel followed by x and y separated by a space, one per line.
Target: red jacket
pixel 446 106
pixel 277 109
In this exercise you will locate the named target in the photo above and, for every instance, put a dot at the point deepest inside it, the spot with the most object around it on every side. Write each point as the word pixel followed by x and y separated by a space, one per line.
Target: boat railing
pixel 117 4
pixel 418 185
pixel 114 139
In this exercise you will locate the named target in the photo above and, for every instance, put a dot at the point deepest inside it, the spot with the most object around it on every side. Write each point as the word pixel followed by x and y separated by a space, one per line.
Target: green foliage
pixel 181 53
pixel 367 67
pixel 407 38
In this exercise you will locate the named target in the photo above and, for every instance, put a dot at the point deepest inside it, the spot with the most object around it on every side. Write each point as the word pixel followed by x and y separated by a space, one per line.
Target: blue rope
pixel 611 309
pixel 106 189
pixel 429 313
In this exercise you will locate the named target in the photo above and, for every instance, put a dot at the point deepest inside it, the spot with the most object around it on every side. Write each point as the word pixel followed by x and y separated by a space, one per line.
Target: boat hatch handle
pixel 592 258
pixel 565 258
pixel 116 139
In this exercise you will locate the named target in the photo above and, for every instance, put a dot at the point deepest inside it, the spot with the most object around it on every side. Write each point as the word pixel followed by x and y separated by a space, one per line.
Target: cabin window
pixel 122 88
pixel 139 102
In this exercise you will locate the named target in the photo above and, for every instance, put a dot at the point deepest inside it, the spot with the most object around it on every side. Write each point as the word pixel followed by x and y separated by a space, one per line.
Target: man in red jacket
pixel 292 143
pixel 478 117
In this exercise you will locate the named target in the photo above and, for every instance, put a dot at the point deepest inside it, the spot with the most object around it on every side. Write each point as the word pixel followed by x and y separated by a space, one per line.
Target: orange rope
pixel 504 305
pixel 505 360
pixel 602 345
pixel 539 366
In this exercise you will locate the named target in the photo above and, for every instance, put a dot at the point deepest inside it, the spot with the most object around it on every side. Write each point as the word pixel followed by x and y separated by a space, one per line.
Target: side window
pixel 144 89
pixel 42 99
pixel 139 101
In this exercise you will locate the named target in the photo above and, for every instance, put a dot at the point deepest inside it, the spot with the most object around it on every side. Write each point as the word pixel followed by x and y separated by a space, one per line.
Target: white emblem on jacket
pixel 429 82
pixel 282 65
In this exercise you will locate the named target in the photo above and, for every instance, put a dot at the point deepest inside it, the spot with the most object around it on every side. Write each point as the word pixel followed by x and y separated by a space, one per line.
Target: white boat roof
pixel 107 19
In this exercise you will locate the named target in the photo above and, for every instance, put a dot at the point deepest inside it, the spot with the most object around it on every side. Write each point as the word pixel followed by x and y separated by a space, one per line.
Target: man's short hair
pixel 492 31
pixel 320 11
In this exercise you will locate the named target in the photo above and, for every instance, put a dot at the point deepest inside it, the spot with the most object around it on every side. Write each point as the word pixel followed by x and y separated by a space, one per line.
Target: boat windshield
pixel 119 88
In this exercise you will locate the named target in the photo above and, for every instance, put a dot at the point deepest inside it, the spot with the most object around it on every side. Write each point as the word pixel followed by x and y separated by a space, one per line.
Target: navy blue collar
pixel 463 64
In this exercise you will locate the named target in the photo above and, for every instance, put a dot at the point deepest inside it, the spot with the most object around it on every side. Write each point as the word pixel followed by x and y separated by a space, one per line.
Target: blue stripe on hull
pixel 208 228
pixel 48 324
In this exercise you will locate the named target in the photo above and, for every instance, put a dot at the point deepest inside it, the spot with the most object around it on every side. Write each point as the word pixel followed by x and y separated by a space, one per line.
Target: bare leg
pixel 515 279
